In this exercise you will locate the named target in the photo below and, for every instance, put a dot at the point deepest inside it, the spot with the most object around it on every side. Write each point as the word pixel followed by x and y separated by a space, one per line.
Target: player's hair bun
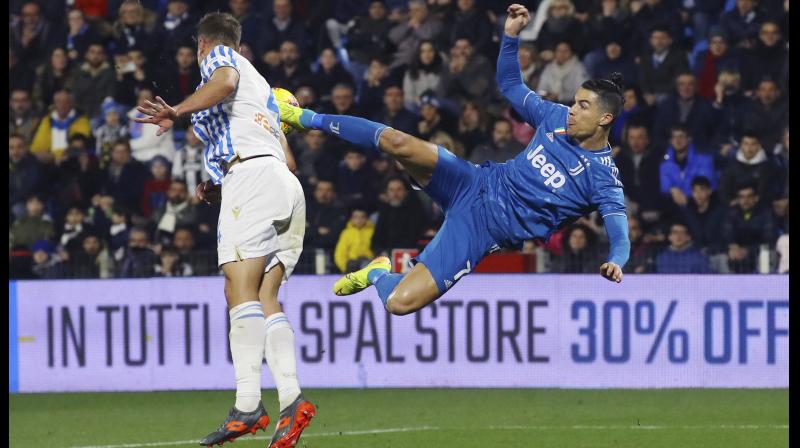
pixel 616 79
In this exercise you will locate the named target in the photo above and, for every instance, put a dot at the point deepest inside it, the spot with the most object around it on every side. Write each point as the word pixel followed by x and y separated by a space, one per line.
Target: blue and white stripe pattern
pixel 278 319
pixel 212 126
pixel 248 311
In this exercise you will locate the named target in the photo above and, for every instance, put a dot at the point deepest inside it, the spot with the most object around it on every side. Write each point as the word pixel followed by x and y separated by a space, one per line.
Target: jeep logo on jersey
pixel 553 177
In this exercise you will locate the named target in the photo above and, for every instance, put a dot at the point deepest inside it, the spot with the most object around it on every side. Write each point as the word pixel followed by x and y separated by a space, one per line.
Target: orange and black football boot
pixel 238 424
pixel 293 420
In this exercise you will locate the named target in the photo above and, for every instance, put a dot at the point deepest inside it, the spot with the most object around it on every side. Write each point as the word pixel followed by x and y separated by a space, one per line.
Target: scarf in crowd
pixel 170 218
pixel 761 157
pixel 70 232
pixel 172 22
pixel 59 130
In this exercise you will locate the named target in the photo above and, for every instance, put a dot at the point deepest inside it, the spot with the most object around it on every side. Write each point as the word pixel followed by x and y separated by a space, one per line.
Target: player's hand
pixel 208 192
pixel 518 18
pixel 159 113
pixel 611 272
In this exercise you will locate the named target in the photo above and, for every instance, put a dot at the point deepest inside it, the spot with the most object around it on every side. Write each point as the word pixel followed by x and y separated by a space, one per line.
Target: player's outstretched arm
pixel 222 83
pixel 525 101
pixel 617 231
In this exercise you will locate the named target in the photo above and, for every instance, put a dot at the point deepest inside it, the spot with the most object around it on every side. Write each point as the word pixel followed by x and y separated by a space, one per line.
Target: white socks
pixel 279 351
pixel 247 350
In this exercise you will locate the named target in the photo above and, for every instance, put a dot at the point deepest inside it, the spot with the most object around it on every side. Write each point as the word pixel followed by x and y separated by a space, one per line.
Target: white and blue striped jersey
pixel 245 124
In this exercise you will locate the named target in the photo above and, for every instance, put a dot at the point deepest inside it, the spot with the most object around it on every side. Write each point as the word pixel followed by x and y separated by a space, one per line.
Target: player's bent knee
pixel 402 301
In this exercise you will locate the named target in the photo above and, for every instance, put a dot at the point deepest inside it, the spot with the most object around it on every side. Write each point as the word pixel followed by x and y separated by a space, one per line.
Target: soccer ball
pixel 287 97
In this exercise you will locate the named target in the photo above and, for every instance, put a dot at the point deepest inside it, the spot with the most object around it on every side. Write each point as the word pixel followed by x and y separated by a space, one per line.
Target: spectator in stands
pixel 133 77
pixel 767 114
pixel 423 74
pixel 681 257
pixel 473 125
pixel 704 215
pixel 119 232
pixel 74 230
pixel 782 248
pixel 470 22
pixel 561 25
pixel 353 180
pixel 252 24
pixel 26 176
pixel 188 164
pixel 33 226
pixel 781 202
pixel 660 66
pixel 62 122
pixel 369 35
pixel 20 76
pixel 614 59
pixel 371 88
pixel 315 159
pixel 171 265
pixel 134 28
pixel 125 177
pixel 330 74
pixel 611 22
pixel 282 27
pixel 99 214
pixel 748 226
pixel 354 246
pixel 502 146
pixel 177 211
pixel 686 108
pixel 154 194
pixel 579 254
pixel 92 81
pixel 639 168
pixel 292 71
pixel 325 220
pixel 641 255
pixel 343 101
pixel 531 64
pixel 176 27
pixel 139 259
pixel 394 114
pixel 563 76
pixel 31 37
pixel 51 78
pixel 731 104
pixel 742 23
pixel 751 167
pixel 79 177
pixel 22 117
pixel 401 219
pixel 650 15
pixel 179 79
pixel 432 120
pixel 46 264
pixel 145 144
pixel 767 57
pixel 92 261
pixel 407 35
pixel 80 35
pixel 681 164
pixel 469 75
pixel 634 110
pixel 109 132
pixel 183 243
pixel 701 15
pixel 709 63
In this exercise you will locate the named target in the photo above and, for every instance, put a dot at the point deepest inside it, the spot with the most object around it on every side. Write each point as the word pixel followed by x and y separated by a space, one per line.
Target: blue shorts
pixel 463 240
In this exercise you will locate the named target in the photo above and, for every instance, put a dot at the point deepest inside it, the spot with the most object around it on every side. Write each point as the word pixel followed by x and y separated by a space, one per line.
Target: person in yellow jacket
pixel 51 139
pixel 354 245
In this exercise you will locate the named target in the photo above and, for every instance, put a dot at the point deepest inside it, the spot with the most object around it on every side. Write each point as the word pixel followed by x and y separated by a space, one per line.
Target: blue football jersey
pixel 550 184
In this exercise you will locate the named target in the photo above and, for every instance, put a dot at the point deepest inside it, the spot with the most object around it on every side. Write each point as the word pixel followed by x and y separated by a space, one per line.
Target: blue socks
pixel 384 282
pixel 358 131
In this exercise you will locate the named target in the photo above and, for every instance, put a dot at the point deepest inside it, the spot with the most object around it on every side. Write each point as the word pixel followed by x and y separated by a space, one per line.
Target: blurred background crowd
pixel 702 144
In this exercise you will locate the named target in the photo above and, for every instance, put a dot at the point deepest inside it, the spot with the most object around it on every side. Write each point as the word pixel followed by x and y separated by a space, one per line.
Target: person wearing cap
pixel 432 119
pixel 109 132
pixel 45 264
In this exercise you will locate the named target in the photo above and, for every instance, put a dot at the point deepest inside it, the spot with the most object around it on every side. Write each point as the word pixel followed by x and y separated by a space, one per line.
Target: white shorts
pixel 263 214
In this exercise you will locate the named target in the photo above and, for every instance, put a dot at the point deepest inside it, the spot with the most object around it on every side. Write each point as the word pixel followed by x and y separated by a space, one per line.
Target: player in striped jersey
pixel 261 223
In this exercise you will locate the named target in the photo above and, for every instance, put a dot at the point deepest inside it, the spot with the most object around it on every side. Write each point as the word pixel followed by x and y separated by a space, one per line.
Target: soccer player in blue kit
pixel 565 172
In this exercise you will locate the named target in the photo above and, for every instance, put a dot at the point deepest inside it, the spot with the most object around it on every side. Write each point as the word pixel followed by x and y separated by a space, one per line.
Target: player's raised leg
pixel 247 335
pixel 295 411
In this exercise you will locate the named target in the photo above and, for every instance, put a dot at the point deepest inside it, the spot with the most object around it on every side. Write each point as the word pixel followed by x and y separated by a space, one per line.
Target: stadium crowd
pixel 702 145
